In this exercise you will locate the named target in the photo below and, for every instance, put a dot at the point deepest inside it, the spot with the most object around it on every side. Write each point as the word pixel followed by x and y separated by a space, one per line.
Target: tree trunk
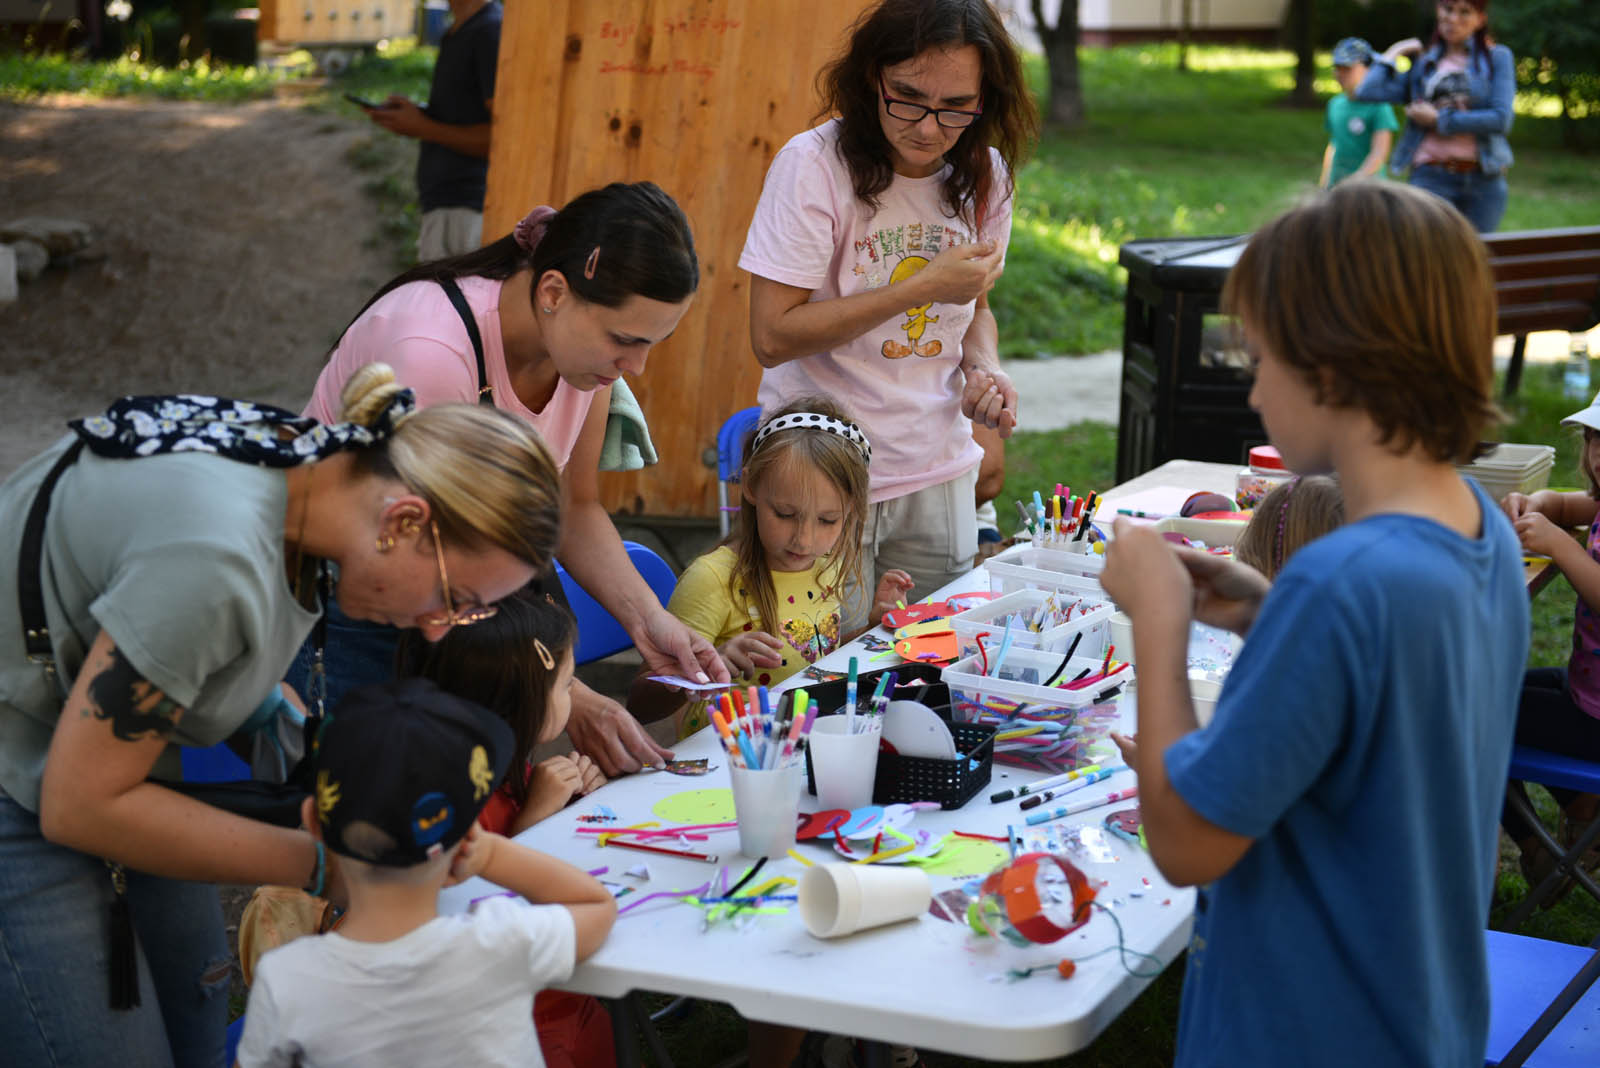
pixel 1065 104
pixel 1301 23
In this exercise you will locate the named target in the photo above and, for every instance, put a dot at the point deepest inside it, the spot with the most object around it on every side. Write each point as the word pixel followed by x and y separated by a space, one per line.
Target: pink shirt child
pixel 1583 668
pixel 901 381
pixel 415 330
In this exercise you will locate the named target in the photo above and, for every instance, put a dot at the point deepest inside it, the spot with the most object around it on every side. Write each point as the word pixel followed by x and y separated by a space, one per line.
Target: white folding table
pixel 926 983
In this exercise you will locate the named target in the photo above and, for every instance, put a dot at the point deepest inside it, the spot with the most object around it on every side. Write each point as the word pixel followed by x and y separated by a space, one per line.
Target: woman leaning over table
pixel 875 242
pixel 1454 143
pixel 179 571
pixel 562 307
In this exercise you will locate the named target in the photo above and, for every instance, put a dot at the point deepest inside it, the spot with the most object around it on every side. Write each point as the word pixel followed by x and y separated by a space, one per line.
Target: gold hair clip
pixel 590 263
pixel 545 658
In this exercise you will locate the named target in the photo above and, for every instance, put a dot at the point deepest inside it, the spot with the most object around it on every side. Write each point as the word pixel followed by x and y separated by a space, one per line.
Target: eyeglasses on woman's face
pixel 451 616
pixel 906 111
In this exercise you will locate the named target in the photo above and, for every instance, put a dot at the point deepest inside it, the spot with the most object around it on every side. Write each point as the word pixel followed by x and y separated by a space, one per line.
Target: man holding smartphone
pixel 453 163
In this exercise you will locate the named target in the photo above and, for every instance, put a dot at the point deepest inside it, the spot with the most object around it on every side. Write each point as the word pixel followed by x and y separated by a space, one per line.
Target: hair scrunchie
pixel 239 430
pixel 530 231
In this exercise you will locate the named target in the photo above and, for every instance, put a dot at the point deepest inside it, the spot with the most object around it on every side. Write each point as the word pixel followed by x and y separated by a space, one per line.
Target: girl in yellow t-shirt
pixel 768 597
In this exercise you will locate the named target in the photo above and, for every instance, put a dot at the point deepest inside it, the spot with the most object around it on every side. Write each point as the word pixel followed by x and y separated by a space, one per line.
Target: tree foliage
pixel 1557 45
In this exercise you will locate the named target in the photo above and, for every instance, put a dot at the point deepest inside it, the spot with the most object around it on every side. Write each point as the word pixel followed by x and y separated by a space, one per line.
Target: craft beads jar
pixel 1265 473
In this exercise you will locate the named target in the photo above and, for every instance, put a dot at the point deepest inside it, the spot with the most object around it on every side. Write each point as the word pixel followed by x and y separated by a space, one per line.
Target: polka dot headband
pixel 813 421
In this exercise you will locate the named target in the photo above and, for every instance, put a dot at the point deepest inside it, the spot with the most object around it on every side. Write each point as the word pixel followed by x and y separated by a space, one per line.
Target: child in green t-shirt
pixel 1360 132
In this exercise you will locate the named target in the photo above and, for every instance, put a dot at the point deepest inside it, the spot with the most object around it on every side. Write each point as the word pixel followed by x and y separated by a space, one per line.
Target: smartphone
pixel 361 102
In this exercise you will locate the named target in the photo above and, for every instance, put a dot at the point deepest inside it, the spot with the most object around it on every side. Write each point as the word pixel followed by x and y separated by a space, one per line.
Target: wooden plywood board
pixel 696 96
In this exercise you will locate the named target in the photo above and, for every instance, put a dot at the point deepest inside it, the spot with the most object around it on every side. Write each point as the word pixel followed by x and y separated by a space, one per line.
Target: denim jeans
pixel 1478 196
pixel 356 653
pixel 54 949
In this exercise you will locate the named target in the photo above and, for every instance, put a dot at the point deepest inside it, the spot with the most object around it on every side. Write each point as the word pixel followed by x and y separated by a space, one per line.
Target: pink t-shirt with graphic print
pixel 902 379
pixel 1583 668
pixel 416 330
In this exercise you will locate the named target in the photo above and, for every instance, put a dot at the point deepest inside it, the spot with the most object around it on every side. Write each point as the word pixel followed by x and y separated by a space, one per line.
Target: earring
pixel 548 311
pixel 385 542
pixel 407 526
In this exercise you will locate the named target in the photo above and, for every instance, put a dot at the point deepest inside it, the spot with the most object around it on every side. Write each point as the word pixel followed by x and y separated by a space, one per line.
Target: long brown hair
pixel 840 462
pixel 506 663
pixel 1293 514
pixel 898 30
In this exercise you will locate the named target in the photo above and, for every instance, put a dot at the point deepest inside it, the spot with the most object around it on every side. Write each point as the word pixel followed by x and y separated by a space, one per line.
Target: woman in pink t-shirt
pixel 559 310
pixel 872 251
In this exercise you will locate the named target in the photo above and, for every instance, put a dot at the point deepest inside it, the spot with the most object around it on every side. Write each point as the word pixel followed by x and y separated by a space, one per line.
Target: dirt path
pixel 238 241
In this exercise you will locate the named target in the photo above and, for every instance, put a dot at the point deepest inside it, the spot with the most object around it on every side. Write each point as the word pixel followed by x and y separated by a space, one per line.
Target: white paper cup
pixel 841 899
pixel 845 766
pixel 766 804
pixel 1204 692
pixel 1122 635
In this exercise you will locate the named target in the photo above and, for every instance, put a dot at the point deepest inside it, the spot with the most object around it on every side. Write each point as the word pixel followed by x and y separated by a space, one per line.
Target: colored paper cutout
pixel 938 648
pixel 697 806
pixel 965 858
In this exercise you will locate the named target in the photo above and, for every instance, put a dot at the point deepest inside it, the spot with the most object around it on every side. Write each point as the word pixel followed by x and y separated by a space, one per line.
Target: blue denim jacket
pixel 1494 84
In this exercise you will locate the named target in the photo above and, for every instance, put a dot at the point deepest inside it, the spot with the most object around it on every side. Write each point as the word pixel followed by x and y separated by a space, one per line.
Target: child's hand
pixel 1517 505
pixel 1227 594
pixel 589 772
pixel 892 589
pixel 1143 575
pixel 750 651
pixel 474 854
pixel 1129 745
pixel 555 781
pixel 1538 534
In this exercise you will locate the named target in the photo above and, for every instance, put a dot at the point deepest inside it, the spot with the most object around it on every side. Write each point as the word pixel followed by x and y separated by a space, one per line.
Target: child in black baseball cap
pixel 402 770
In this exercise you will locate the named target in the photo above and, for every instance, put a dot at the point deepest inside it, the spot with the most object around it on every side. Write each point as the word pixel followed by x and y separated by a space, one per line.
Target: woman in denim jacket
pixel 1454 142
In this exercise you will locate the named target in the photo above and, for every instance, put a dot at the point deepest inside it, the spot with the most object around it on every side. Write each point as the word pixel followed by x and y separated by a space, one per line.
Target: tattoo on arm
pixel 134 708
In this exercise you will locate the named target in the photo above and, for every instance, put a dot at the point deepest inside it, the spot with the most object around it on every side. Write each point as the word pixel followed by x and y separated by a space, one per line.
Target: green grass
pixel 1210 152
pixel 27 75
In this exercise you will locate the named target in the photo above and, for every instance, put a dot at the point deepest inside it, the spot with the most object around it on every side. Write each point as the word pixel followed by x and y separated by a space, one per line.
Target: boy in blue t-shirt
pixel 1360 132
pixel 1340 810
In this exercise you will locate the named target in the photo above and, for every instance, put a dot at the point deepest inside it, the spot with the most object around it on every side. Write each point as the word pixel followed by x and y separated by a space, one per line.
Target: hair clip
pixel 590 263
pixel 545 658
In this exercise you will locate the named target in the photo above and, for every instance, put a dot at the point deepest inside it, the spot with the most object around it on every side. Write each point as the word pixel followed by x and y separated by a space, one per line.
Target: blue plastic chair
pixel 216 764
pixel 599 633
pixel 235 1033
pixel 730 451
pixel 1544 1009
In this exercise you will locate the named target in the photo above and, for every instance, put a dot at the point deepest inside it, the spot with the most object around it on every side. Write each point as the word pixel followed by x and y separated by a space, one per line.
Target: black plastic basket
pixel 902 780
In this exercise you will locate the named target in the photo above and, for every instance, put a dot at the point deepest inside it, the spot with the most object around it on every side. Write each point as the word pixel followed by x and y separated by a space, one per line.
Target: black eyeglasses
pixel 905 110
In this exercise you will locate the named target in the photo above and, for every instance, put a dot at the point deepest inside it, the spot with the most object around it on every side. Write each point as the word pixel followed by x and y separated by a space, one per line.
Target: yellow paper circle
pixel 697 806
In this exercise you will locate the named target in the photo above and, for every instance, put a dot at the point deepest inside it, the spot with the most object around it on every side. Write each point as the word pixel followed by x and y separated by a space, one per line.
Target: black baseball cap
pixel 403 769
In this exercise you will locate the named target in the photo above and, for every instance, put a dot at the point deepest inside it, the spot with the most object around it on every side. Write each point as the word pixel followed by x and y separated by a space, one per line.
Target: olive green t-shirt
pixel 180 559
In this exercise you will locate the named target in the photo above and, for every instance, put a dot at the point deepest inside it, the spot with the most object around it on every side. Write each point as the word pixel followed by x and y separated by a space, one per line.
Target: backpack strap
pixel 459 302
pixel 30 560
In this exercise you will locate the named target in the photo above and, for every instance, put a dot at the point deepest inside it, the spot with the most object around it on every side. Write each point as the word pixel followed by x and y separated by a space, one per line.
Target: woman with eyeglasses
pixel 1458 96
pixel 873 248
pixel 543 324
pixel 158 570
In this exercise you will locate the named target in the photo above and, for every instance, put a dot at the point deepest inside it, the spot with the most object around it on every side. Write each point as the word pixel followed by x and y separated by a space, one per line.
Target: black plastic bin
pixel 903 780
pixel 1185 384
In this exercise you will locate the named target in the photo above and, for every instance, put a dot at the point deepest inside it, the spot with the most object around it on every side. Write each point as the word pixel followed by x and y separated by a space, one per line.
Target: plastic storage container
pixel 1512 468
pixel 1265 474
pixel 1044 569
pixel 904 780
pixel 1059 616
pixel 1045 728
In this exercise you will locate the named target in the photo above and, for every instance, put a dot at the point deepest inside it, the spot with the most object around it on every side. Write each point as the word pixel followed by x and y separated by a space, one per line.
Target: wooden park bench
pixel 1544 280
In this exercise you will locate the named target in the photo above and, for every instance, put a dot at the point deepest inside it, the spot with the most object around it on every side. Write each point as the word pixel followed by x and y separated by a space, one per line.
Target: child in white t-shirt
pixel 402 771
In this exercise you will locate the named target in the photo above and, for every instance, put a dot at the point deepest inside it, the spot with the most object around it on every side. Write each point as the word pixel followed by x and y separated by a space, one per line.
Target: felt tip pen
pixel 1044 784
pixel 1141 515
pixel 1082 806
pixel 1035 800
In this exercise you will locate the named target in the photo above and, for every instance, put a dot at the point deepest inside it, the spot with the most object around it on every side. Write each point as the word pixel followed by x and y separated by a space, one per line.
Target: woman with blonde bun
pixel 175 549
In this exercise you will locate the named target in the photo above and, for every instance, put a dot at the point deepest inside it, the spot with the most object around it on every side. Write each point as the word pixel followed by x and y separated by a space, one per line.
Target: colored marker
pixel 1035 800
pixel 1045 784
pixel 1141 515
pixel 1082 806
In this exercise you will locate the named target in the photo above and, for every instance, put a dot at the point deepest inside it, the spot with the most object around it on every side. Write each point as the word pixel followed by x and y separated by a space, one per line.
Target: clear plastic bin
pixel 1045 569
pixel 1074 612
pixel 1048 729
pixel 1512 468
